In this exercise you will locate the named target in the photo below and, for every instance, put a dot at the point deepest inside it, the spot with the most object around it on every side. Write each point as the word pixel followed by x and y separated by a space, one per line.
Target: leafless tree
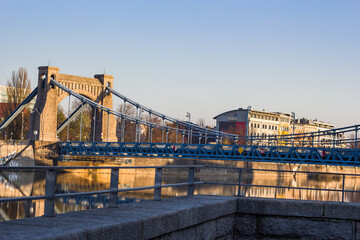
pixel 129 126
pixel 18 88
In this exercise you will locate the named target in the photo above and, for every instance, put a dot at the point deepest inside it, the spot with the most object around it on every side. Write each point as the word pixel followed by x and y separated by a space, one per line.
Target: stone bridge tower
pixel 43 120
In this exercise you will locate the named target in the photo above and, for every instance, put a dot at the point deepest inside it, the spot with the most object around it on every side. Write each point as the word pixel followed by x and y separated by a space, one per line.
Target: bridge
pixel 159 135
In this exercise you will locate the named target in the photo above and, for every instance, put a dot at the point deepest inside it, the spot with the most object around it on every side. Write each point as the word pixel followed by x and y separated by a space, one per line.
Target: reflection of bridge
pixel 154 134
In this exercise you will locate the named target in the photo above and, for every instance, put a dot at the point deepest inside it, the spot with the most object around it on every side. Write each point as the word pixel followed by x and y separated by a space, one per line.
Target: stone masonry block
pixel 216 209
pixel 225 226
pixel 206 230
pixel 160 225
pixel 228 237
pixel 125 231
pixel 342 210
pixel 245 225
pixel 280 207
pixel 357 234
pixel 305 228
pixel 188 233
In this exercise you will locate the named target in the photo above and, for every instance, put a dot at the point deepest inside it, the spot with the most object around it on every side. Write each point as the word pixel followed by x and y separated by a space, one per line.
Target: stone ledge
pixel 143 220
pixel 305 228
pixel 337 210
pixel 198 216
pixel 280 207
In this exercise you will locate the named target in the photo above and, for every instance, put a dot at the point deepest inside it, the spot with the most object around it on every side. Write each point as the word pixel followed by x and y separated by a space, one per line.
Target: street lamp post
pixel 188 115
pixel 292 139
pixel 36 111
pixel 247 124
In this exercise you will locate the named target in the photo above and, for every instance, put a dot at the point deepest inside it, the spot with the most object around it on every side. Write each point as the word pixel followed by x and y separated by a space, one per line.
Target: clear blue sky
pixel 203 57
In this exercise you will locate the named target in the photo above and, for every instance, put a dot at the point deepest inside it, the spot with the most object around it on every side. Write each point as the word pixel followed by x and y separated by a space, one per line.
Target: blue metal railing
pixel 282 154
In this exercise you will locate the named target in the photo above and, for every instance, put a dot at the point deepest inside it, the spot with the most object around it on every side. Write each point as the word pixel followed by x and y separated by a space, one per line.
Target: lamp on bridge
pixel 188 115
pixel 292 139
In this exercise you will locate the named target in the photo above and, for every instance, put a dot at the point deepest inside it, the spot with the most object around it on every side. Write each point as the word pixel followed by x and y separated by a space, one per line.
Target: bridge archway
pixel 43 120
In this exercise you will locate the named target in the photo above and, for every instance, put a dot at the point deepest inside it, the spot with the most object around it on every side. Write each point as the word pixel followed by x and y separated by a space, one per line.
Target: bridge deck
pixel 281 154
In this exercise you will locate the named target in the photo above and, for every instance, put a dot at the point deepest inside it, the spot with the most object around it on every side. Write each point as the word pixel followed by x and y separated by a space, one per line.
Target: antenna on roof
pixel 49 62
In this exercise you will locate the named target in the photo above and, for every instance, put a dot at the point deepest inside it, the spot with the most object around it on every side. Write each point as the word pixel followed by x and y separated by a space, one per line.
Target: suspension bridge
pixel 175 138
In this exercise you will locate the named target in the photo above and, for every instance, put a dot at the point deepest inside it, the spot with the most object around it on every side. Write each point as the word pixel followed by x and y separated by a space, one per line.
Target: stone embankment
pixel 198 217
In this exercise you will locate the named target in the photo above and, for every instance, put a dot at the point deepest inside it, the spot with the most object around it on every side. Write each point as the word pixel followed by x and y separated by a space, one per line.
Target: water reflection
pixel 32 183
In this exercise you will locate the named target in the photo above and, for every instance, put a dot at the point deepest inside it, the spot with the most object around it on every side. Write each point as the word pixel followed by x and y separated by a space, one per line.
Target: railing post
pixel 343 189
pixel 356 137
pixel 158 180
pixel 162 131
pixel 355 147
pixel 27 206
pixel 177 133
pixel 239 183
pixel 312 140
pixel 50 192
pixel 136 130
pixel 68 120
pixel 107 131
pixel 114 185
pixel 94 124
pixel 81 117
pixel 191 178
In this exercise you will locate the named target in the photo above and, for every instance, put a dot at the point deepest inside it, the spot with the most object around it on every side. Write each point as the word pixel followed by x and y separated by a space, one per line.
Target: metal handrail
pixel 50 184
pixel 51 172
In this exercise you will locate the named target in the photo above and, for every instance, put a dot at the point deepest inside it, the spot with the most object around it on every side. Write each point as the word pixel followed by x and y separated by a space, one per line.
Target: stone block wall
pixel 293 219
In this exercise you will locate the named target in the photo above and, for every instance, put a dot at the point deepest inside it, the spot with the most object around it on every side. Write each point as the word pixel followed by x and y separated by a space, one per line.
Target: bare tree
pixel 82 121
pixel 127 126
pixel 18 88
pixel 60 119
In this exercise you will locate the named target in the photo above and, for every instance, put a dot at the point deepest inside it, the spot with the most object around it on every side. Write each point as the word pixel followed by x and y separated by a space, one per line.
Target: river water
pixel 32 183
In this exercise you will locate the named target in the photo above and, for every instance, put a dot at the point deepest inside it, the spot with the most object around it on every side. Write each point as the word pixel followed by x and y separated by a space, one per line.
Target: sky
pixel 202 57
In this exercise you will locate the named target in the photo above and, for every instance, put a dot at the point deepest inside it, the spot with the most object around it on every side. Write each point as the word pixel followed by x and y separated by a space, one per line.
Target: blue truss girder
pixel 299 155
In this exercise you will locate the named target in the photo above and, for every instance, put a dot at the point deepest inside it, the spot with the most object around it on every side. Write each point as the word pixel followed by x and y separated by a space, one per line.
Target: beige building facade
pixel 265 125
